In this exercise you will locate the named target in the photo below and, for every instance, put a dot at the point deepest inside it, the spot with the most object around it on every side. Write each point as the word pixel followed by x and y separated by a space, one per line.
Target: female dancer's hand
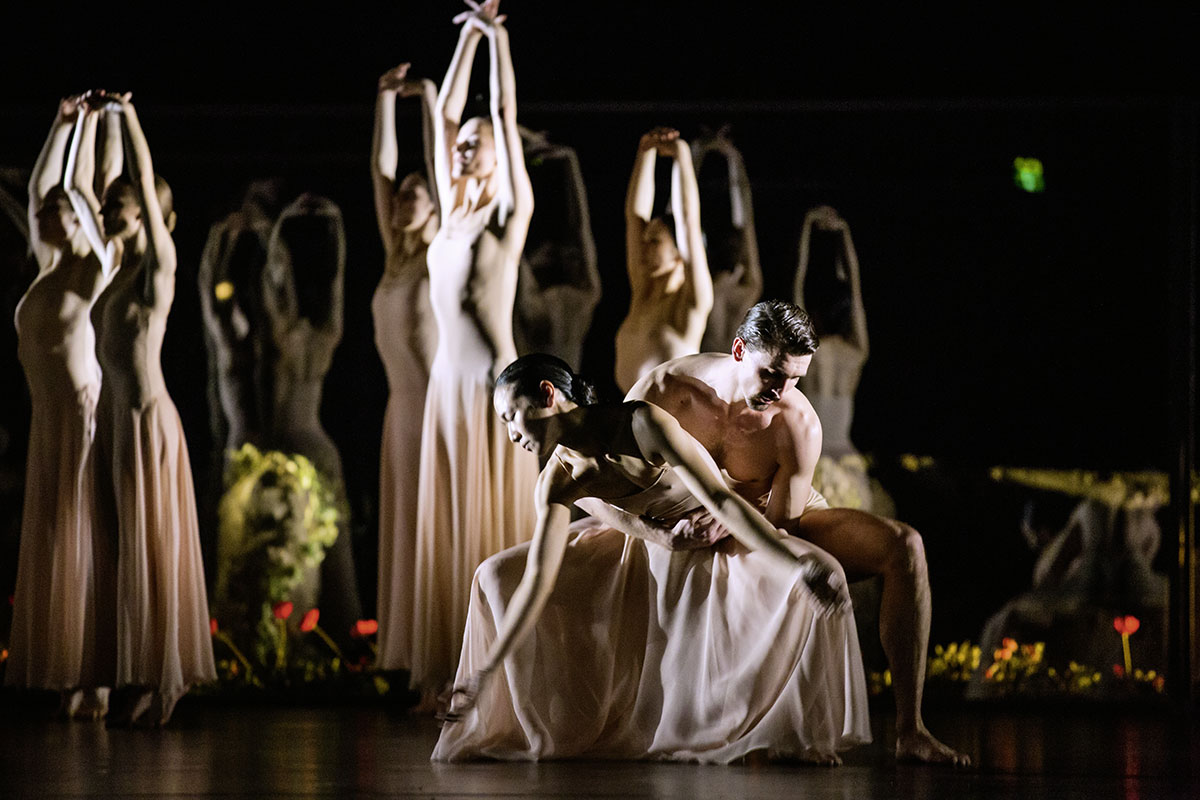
pixel 827 587
pixel 68 107
pixel 394 78
pixel 663 140
pixel 462 699
pixel 483 17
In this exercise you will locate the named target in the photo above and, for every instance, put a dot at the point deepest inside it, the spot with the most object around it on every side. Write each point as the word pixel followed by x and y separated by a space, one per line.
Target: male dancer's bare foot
pixel 921 746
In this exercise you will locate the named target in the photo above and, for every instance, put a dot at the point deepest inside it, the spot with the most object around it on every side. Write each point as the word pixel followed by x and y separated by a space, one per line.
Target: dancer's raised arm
pixel 742 210
pixel 48 169
pixel 689 237
pixel 448 110
pixel 510 155
pixel 385 153
pixel 639 203
pixel 828 219
pixel 79 183
pixel 161 246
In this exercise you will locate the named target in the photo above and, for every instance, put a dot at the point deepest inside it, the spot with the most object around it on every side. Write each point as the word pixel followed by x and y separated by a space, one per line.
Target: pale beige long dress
pixel 146 500
pixel 51 644
pixel 476 490
pixel 403 319
pixel 643 652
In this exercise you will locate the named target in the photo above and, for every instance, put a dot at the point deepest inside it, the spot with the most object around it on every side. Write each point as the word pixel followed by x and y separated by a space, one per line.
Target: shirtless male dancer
pixel 745 409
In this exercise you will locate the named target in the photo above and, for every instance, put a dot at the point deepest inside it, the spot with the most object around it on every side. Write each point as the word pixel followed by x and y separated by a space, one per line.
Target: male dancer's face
pixel 764 376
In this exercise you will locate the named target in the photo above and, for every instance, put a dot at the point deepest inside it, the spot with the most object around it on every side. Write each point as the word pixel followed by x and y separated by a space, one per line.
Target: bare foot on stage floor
pixel 921 746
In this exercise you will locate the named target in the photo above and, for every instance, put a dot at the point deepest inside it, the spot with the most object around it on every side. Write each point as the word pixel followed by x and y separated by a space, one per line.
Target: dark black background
pixel 1005 327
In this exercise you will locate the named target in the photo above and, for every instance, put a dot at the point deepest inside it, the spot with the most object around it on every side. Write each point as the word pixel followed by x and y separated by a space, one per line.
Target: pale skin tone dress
pixel 52 642
pixel 405 336
pixel 475 492
pixel 588 642
pixel 153 602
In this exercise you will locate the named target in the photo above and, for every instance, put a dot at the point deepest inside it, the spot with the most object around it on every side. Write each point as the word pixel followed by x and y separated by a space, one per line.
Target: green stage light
pixel 1029 175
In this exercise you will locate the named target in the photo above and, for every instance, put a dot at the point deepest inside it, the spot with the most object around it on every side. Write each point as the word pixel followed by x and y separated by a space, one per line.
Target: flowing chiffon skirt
pixel 162 622
pixel 52 634
pixel 475 499
pixel 645 653
pixel 398 482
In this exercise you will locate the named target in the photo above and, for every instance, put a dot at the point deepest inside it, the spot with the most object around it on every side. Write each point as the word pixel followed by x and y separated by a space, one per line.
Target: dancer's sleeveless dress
pixel 400 302
pixel 52 632
pixel 476 489
pixel 642 652
pixel 146 500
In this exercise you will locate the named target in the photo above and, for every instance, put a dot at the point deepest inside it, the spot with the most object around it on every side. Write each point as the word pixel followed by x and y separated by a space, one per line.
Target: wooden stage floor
pixel 261 751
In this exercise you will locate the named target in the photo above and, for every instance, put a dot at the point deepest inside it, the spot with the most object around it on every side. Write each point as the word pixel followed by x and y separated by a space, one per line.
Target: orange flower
pixel 283 610
pixel 364 628
pixel 1158 683
pixel 1008 644
pixel 1126 625
pixel 310 619
pixel 212 626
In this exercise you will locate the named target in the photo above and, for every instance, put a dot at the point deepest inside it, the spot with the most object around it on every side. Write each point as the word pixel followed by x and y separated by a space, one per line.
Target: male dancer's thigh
pixel 860 541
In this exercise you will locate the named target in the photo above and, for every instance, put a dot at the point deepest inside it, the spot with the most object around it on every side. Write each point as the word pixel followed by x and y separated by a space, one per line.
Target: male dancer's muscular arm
pixel 797 438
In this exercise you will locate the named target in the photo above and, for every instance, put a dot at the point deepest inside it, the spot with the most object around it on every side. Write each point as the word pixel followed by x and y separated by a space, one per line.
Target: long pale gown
pixel 146 501
pixel 403 319
pixel 476 490
pixel 52 639
pixel 643 652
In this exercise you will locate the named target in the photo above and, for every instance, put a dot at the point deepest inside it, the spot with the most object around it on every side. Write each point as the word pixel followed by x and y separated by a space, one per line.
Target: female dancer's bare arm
pixel 690 240
pixel 48 169
pixel 141 173
pixel 639 206
pixel 742 206
pixel 385 153
pixel 541 570
pixel 510 154
pixel 662 439
pixel 81 172
pixel 451 100
pixel 858 314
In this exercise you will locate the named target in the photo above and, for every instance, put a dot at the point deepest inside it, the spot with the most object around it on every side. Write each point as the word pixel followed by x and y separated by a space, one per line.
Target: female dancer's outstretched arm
pixel 546 550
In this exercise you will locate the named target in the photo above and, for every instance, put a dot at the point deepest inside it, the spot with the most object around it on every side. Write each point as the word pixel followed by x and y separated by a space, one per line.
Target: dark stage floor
pixel 223 750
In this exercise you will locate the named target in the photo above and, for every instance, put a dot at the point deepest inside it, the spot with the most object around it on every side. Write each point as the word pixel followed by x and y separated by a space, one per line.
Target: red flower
pixel 1118 670
pixel 364 628
pixel 212 626
pixel 310 619
pixel 12 599
pixel 1126 625
pixel 283 610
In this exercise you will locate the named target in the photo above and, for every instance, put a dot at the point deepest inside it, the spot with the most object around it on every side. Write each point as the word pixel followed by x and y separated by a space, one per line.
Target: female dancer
pixel 732 248
pixel 828 287
pixel 53 640
pixel 559 284
pixel 474 497
pixel 405 335
pixel 620 648
pixel 671 289
pixel 157 613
